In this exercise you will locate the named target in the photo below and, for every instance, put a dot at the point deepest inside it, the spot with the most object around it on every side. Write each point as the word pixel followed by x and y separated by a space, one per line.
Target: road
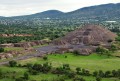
pixel 41 51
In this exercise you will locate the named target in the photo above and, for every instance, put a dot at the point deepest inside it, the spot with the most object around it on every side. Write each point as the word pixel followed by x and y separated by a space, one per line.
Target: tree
pixel 95 73
pixel 114 73
pixel 1 50
pixel 29 65
pixel 98 78
pixel 26 76
pixel 37 67
pixel 19 79
pixel 45 58
pixel 101 74
pixel 118 73
pixel 107 73
pixel 75 52
pixel 46 67
pixel 1 73
pixel 12 63
pixel 103 51
pixel 71 74
pixel 113 48
pixel 78 69
pixel 78 79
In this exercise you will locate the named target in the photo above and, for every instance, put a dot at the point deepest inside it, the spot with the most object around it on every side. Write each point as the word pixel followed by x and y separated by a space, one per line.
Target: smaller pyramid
pixel 87 35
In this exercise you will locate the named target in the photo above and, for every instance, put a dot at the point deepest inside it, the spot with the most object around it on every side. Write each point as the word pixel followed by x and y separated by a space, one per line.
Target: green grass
pixel 13 48
pixel 92 63
pixel 37 46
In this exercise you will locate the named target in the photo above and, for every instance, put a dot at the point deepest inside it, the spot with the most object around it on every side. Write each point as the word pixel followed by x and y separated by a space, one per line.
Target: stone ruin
pixel 30 44
pixel 11 54
pixel 86 39
pixel 26 45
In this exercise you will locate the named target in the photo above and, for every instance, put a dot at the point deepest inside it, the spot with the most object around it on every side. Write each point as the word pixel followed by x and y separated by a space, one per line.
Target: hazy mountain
pixel 106 11
pixel 98 12
pixel 48 14
pixel 42 15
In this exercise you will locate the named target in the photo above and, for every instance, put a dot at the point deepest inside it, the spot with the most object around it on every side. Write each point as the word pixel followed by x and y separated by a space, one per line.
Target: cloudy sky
pixel 25 7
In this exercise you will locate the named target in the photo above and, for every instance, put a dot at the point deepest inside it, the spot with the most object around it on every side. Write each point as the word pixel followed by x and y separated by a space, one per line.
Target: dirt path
pixel 39 53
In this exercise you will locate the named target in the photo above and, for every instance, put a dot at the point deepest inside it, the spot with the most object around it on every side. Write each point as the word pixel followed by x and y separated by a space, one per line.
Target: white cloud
pixel 24 7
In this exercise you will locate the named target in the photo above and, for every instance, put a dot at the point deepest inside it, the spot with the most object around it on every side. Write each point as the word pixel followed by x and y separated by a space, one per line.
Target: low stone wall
pixel 30 44
pixel 7 45
pixel 26 44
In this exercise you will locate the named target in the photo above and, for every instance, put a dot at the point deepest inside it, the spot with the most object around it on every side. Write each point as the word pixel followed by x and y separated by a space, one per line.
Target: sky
pixel 26 7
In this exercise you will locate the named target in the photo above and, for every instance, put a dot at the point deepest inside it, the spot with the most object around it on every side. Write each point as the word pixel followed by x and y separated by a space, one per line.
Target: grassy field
pixel 92 63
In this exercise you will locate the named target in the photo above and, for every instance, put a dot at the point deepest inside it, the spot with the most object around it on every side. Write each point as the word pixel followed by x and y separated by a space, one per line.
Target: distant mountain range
pixel 99 12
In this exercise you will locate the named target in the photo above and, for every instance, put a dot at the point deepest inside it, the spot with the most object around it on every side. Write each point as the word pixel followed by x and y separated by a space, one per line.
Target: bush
pixel 75 52
pixel 26 76
pixel 1 50
pixel 95 73
pixel 79 79
pixel 98 78
pixel 45 58
pixel 78 69
pixel 65 56
pixel 19 79
pixel 71 74
pixel 12 63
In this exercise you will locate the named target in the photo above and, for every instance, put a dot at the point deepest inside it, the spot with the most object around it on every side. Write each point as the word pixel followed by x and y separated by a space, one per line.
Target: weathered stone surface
pixel 6 45
pixel 30 44
pixel 19 35
pixel 85 40
pixel 8 55
pixel 87 35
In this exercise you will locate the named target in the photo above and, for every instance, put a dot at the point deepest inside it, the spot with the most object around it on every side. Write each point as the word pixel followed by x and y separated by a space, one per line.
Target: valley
pixel 81 45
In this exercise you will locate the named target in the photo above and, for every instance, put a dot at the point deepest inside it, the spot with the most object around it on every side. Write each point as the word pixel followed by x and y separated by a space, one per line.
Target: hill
pixel 103 12
pixel 98 12
pixel 47 14
pixel 41 15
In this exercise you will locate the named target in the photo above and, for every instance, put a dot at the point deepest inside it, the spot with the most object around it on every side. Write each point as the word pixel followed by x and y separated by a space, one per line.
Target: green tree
pixel 113 48
pixel 12 63
pixel 26 76
pixel 78 69
pixel 1 73
pixel 45 58
pixel 1 50
pixel 98 78
pixel 75 52
pixel 95 73
pixel 107 73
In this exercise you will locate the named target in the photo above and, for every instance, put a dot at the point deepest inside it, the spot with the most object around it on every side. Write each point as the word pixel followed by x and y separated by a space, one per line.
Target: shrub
pixel 26 76
pixel 78 69
pixel 71 74
pixel 75 52
pixel 107 73
pixel 1 50
pixel 79 79
pixel 95 73
pixel 65 56
pixel 12 63
pixel 98 78
pixel 19 79
pixel 45 58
